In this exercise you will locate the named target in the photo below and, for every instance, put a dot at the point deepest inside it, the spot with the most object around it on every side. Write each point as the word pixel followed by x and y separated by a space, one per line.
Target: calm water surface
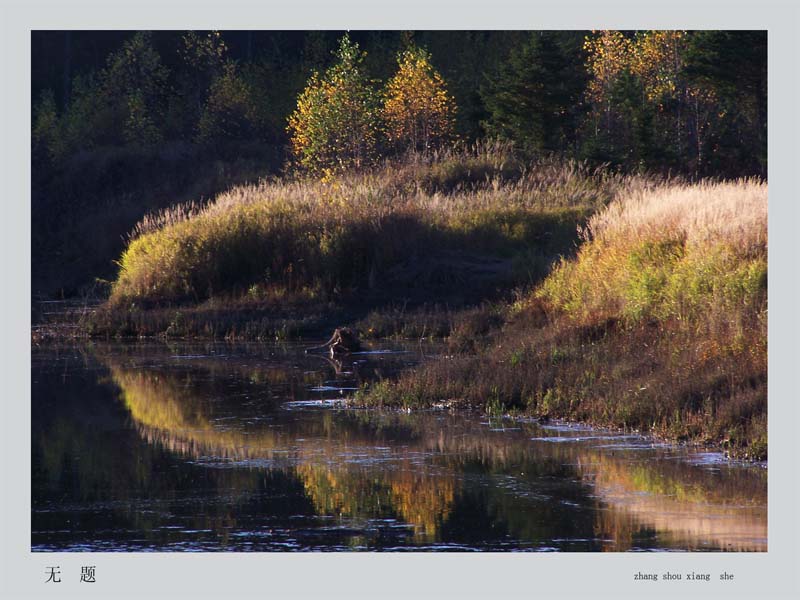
pixel 211 447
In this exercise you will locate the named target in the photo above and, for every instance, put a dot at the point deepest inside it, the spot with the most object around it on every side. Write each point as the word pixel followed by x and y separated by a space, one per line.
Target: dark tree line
pixel 691 102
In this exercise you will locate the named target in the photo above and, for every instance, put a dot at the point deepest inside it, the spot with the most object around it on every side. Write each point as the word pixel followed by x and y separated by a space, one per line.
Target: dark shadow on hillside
pixel 83 209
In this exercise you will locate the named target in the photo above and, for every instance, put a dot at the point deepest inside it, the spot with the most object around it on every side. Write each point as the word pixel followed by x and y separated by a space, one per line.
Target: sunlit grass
pixel 345 233
pixel 659 323
pixel 684 251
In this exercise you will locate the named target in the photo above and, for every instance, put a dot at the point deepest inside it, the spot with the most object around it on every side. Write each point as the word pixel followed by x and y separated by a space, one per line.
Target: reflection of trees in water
pixel 342 462
pixel 414 495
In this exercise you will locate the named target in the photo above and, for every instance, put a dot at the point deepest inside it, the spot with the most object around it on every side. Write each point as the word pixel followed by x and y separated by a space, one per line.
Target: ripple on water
pixel 588 437
pixel 330 388
pixel 322 403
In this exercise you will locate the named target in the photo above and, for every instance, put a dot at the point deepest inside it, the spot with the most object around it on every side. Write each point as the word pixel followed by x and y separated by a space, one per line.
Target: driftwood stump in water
pixel 343 341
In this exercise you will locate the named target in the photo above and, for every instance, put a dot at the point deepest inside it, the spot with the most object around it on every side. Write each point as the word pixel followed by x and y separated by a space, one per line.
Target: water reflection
pixel 701 510
pixel 225 448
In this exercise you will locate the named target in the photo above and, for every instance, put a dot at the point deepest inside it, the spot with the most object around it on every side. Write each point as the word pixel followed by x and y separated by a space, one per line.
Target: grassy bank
pixel 653 318
pixel 658 324
pixel 453 229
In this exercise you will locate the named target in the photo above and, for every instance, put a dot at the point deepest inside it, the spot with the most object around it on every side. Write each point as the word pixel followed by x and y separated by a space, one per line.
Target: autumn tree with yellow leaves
pixel 657 59
pixel 607 58
pixel 642 101
pixel 335 125
pixel 418 111
pixel 693 102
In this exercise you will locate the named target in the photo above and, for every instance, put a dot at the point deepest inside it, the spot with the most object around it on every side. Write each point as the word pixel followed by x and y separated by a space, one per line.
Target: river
pixel 253 447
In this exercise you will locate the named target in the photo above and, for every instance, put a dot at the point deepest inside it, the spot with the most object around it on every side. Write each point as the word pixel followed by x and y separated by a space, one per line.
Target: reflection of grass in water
pixel 172 407
pixel 89 461
pixel 168 413
pixel 425 495
pixel 680 482
pixel 686 504
pixel 157 401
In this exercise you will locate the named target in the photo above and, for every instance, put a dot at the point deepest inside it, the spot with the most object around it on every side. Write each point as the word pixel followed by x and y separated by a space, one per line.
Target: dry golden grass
pixel 680 251
pixel 731 212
